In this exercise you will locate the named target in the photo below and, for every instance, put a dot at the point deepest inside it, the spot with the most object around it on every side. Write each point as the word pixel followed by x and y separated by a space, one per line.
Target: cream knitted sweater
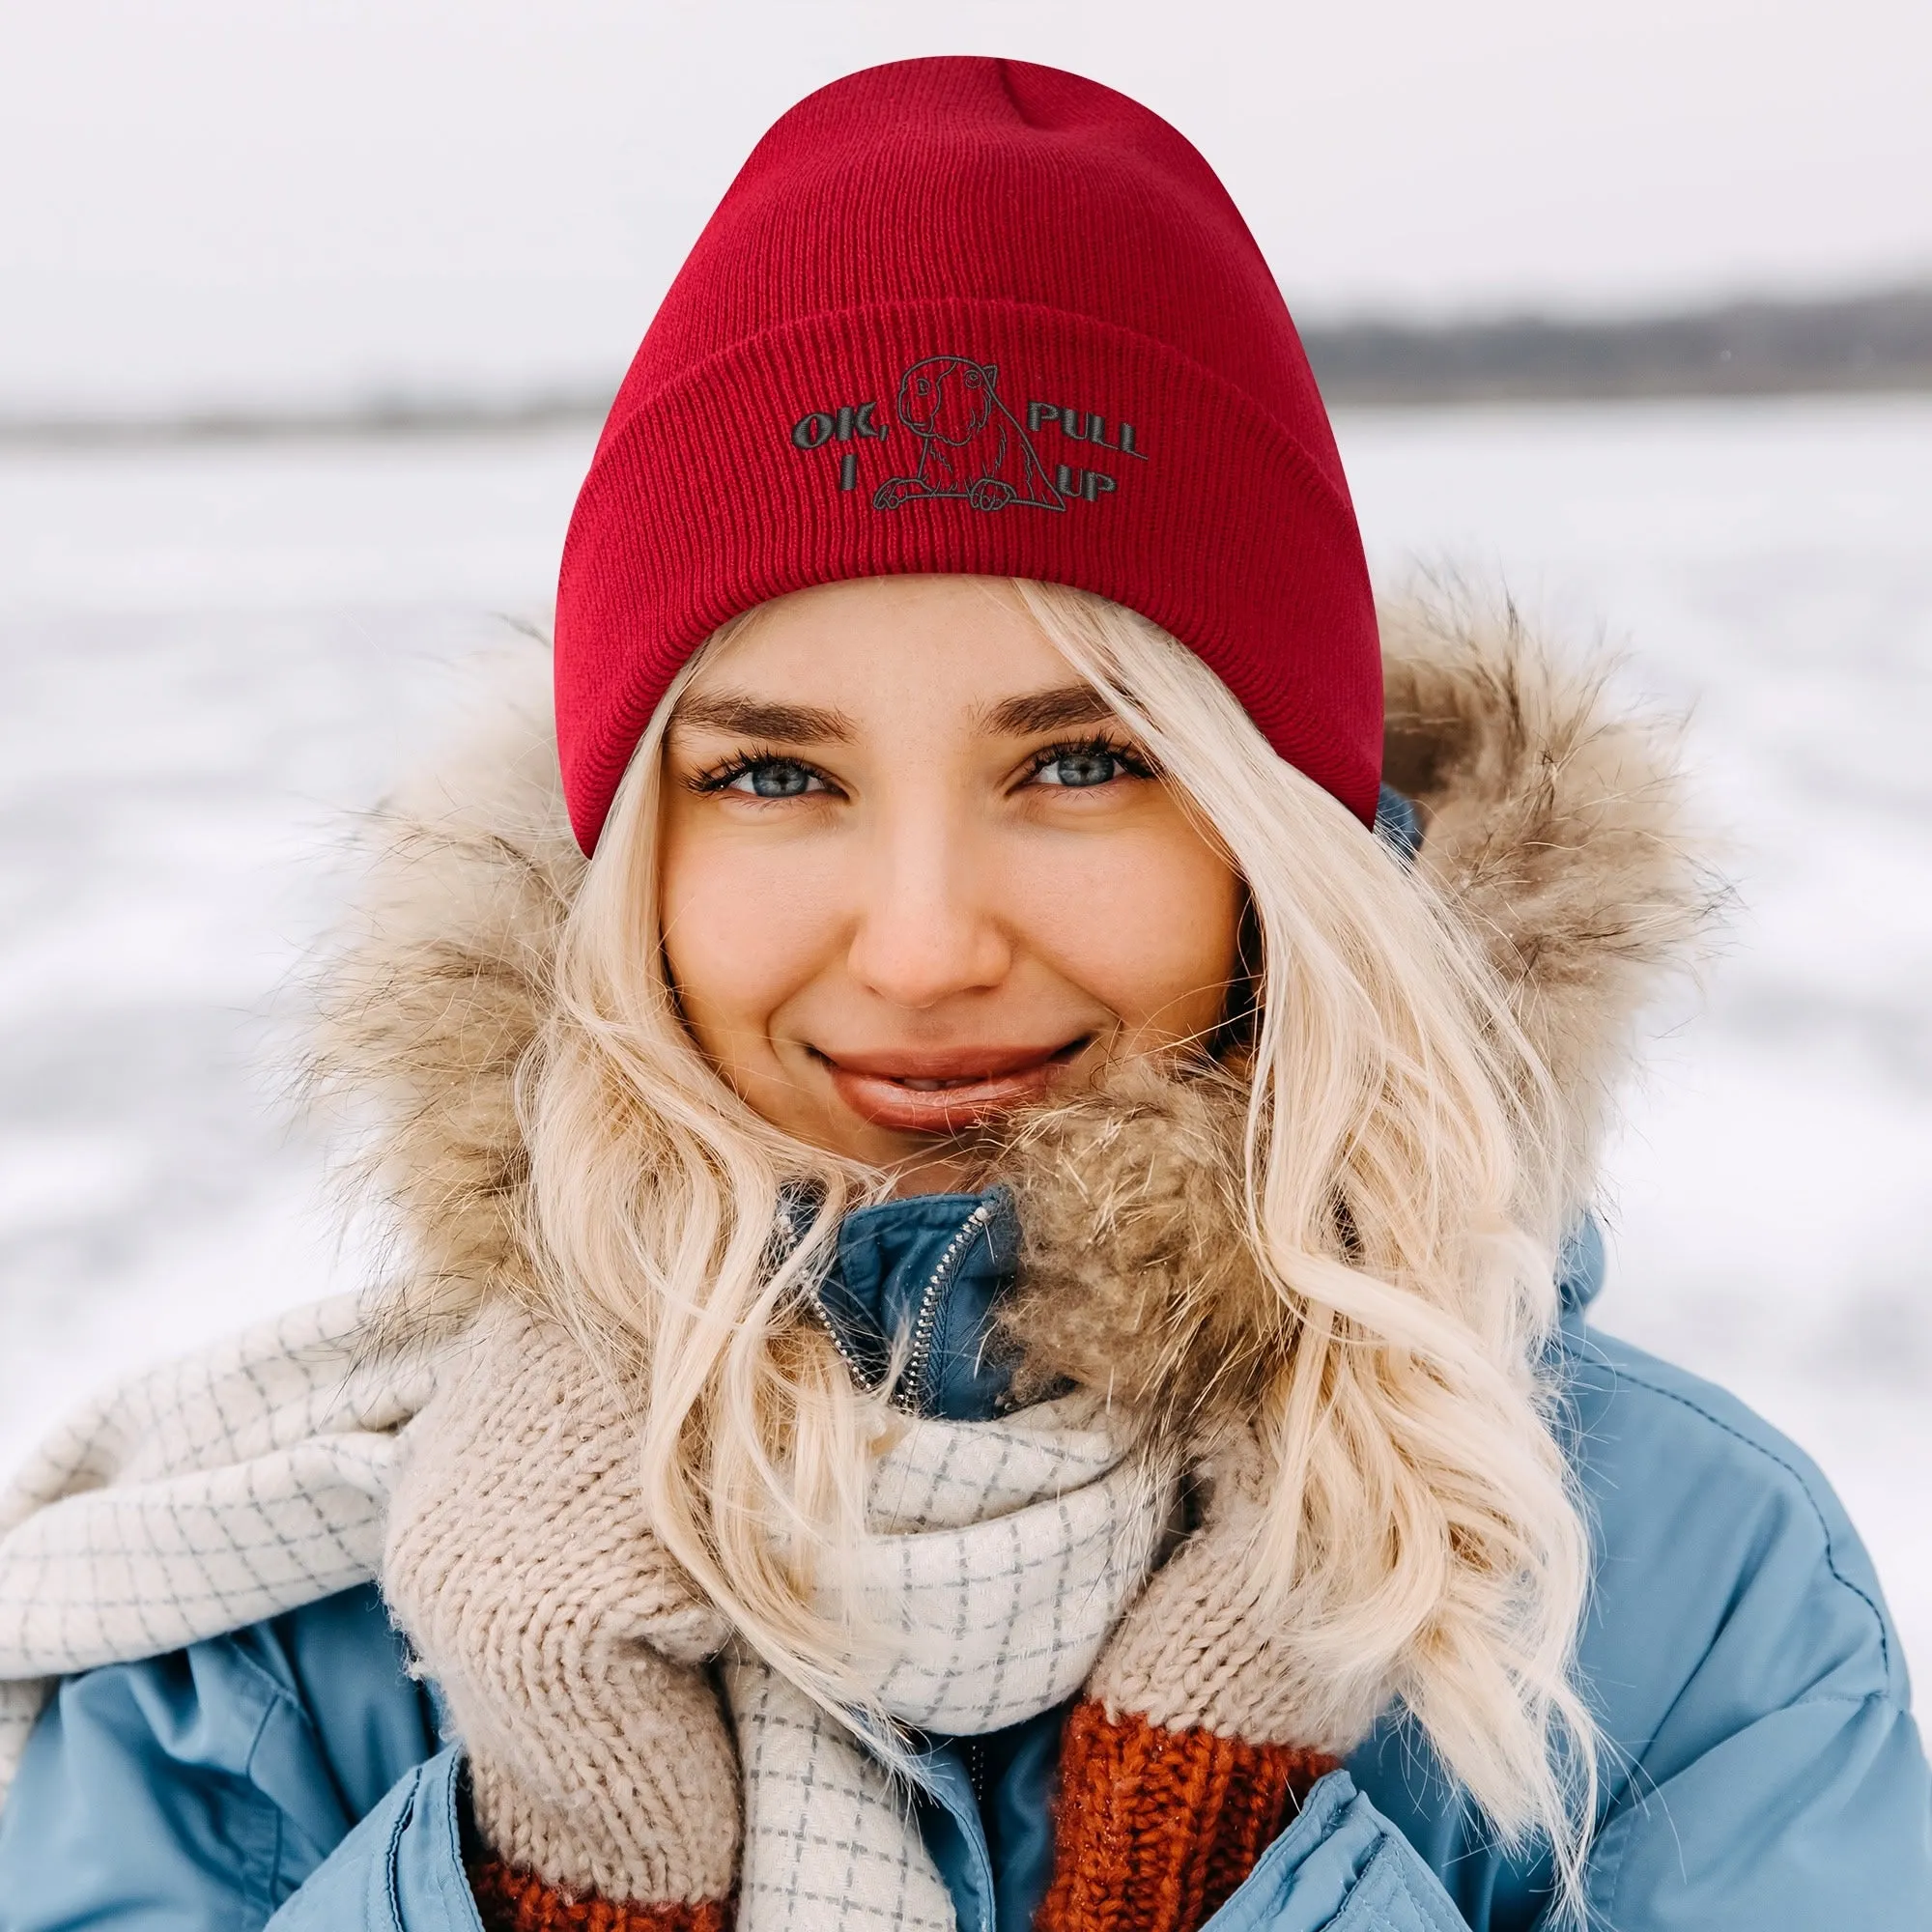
pixel 570 1648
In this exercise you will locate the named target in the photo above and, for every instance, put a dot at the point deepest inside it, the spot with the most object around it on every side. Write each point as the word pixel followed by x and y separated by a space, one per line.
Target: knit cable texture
pixel 1200 1648
pixel 568 1645
pixel 572 1651
pixel 508 1900
pixel 213 1492
pixel 1156 1830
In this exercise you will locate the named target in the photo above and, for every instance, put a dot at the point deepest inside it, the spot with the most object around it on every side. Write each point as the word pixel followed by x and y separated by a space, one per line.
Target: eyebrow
pixel 1060 709
pixel 740 713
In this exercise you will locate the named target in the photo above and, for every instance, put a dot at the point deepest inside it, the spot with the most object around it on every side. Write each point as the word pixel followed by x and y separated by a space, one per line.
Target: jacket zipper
pixel 912 1385
pixel 860 1377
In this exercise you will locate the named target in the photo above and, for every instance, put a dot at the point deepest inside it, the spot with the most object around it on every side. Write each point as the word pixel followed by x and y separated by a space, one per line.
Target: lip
pixel 979 1081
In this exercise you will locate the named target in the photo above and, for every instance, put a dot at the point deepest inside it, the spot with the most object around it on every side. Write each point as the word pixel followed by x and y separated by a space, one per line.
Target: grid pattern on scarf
pixel 830 1839
pixel 1004 1553
pixel 252 1479
pixel 192 1500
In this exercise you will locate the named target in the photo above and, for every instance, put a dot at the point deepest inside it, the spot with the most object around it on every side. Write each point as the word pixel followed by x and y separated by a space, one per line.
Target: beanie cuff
pixel 979 437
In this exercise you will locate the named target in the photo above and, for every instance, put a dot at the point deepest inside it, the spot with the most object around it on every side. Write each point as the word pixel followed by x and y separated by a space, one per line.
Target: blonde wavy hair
pixel 1403 1192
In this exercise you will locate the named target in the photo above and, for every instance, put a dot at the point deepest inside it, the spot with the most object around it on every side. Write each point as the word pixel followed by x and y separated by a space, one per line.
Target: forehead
pixel 886 644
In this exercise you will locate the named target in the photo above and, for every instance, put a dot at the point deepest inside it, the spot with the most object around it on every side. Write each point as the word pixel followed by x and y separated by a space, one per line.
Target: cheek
pixel 742 933
pixel 1149 925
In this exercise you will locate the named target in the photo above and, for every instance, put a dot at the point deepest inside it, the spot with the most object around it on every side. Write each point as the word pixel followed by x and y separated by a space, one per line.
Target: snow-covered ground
pixel 211 655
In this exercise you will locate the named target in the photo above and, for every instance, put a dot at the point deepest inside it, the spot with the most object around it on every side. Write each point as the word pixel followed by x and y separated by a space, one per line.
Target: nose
pixel 926 929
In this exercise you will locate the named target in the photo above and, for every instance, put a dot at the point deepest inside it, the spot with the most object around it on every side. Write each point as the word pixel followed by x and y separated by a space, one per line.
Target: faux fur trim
pixel 434 992
pixel 1128 1282
pixel 1554 824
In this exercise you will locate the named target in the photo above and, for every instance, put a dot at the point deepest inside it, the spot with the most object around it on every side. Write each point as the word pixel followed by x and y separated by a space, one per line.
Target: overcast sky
pixel 234 202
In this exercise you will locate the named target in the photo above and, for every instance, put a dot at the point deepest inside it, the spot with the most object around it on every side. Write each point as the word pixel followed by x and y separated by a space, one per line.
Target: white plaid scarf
pixel 252 1479
pixel 1005 1552
pixel 192 1500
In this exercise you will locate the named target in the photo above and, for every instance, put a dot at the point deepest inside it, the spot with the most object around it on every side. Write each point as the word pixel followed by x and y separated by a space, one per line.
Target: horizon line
pixel 1875 343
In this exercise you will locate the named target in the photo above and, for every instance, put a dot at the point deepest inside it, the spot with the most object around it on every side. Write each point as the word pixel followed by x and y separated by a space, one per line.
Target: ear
pixel 992 370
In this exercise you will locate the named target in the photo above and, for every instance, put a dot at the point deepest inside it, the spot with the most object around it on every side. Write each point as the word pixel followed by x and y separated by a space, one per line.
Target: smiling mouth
pixel 948 1090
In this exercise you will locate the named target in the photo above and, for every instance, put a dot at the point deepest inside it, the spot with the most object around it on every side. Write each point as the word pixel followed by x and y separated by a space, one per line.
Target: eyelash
pixel 1134 763
pixel 718 777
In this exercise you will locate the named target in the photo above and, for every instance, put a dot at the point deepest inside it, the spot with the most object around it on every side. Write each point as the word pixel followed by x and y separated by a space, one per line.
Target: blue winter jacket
pixel 1763 1771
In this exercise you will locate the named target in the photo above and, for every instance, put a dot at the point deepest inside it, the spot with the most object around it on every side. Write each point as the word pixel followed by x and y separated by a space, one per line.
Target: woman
pixel 992 1330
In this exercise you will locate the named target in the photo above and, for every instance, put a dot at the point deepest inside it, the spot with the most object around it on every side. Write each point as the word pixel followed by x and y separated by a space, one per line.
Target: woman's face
pixel 915 872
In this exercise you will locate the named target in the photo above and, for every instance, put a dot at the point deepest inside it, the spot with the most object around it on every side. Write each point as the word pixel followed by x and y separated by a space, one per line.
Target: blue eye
pixel 774 777
pixel 1086 766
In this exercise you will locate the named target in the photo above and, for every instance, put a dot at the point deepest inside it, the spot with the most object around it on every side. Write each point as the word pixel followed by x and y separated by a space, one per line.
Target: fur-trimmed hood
pixel 1554 821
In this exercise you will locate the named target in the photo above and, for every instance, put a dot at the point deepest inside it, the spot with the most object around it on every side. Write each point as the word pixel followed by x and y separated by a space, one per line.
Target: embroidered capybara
pixel 969 444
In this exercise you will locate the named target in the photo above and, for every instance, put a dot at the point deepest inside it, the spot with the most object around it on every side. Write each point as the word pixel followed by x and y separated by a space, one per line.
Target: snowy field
pixel 211 655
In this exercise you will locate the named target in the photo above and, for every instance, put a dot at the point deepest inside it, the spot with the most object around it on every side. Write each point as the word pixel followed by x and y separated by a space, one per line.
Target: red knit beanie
pixel 981 317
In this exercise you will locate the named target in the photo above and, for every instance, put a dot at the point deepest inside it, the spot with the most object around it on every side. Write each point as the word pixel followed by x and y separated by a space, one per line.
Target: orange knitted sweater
pixel 1153 1831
